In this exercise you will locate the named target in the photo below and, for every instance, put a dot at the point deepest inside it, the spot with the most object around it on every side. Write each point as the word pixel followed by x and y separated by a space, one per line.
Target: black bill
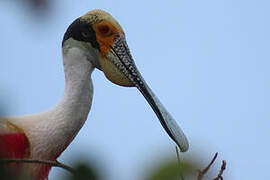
pixel 122 59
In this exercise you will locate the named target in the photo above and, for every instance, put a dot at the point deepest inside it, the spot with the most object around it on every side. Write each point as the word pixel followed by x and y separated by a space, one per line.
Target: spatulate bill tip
pixel 183 146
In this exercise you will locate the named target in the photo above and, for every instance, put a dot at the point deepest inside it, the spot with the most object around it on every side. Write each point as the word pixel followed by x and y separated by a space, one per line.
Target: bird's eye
pixel 85 33
pixel 104 30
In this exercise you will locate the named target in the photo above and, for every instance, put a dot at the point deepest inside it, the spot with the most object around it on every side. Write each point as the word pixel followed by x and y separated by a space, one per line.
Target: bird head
pixel 98 32
pixel 102 37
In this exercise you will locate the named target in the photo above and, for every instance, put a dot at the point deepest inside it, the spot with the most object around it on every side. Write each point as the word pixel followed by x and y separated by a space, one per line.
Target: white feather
pixel 50 132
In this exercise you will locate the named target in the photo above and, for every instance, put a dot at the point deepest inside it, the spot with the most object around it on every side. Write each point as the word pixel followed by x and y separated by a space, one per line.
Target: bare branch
pixel 223 167
pixel 204 171
pixel 36 161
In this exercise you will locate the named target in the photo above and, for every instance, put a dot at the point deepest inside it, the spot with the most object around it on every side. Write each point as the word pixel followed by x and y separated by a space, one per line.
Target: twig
pixel 204 171
pixel 35 161
pixel 179 164
pixel 223 167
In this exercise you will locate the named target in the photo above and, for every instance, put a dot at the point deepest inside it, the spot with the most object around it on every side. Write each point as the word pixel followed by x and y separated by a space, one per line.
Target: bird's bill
pixel 120 68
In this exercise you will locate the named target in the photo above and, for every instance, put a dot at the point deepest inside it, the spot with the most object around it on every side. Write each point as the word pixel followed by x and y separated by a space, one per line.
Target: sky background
pixel 208 62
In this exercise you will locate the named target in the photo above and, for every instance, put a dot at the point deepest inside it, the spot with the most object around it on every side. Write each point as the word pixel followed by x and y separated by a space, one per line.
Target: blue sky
pixel 208 62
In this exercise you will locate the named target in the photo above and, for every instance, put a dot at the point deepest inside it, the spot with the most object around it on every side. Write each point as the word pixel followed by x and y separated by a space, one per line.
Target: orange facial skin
pixel 105 40
pixel 105 35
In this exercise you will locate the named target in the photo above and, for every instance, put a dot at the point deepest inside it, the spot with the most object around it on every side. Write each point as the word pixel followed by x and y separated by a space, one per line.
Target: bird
pixel 93 41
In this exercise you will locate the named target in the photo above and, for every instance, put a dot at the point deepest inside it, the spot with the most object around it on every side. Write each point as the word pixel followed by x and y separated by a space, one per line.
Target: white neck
pixel 72 110
pixel 60 125
pixel 78 91
pixel 77 98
